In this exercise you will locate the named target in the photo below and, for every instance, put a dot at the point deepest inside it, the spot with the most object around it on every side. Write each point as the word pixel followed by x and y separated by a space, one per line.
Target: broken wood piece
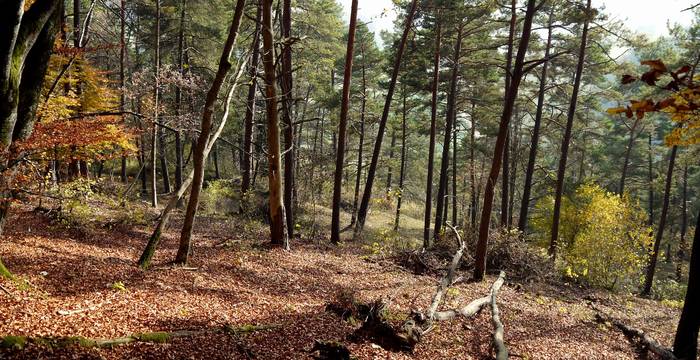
pixel 645 339
pixel 498 333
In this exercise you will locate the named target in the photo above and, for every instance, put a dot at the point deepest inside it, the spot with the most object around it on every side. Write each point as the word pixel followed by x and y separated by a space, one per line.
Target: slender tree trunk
pixel 402 171
pixel 178 159
pixel 122 81
pixel 685 345
pixel 517 74
pixel 628 151
pixel 364 205
pixel 684 225
pixel 561 173
pixel 289 151
pixel 342 126
pixel 449 118
pixel 163 161
pixel 433 123
pixel 651 182
pixel 454 176
pixel 653 256
pixel 199 158
pixel 472 164
pixel 278 226
pixel 363 108
pixel 506 149
pixel 392 145
pixel 156 93
pixel 249 120
pixel 179 145
pixel 215 155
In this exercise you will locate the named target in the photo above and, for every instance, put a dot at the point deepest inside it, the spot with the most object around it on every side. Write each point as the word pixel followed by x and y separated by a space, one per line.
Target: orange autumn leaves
pixel 680 100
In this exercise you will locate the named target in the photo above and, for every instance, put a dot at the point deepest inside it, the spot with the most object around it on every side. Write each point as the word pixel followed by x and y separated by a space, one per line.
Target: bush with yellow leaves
pixel 603 237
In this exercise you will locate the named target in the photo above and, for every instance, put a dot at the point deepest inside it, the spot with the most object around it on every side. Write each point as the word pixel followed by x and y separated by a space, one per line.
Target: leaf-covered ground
pixel 85 283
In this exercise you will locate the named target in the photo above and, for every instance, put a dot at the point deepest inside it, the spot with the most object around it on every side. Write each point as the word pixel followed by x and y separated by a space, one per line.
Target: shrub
pixel 220 197
pixel 603 240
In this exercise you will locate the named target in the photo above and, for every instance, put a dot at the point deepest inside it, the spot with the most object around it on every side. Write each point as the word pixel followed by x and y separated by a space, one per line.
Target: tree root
pixel 19 342
pixel 644 339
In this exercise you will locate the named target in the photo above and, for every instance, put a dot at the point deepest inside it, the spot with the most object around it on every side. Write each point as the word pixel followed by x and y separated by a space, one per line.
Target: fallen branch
pixel 447 281
pixel 645 339
pixel 19 342
pixel 498 332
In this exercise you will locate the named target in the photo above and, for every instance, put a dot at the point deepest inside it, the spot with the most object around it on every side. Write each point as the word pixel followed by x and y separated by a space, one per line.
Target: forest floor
pixel 78 282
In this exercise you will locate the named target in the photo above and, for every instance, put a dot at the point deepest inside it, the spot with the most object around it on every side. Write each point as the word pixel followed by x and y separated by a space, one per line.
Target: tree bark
pixel 454 174
pixel 278 224
pixel 653 256
pixel 534 143
pixel 289 151
pixel 480 258
pixel 246 164
pixel 164 173
pixel 364 205
pixel 389 174
pixel 199 158
pixel 433 123
pixel 449 118
pixel 684 225
pixel 360 149
pixel 156 93
pixel 685 345
pixel 402 171
pixel 651 182
pixel 628 151
pixel 506 149
pixel 122 81
pixel 561 173
pixel 342 126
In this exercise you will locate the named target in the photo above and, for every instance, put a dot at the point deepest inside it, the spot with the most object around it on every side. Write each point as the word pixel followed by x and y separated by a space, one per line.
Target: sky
pixel 646 16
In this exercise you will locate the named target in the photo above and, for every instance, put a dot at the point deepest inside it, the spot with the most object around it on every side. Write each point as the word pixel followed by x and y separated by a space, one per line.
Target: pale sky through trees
pixel 646 16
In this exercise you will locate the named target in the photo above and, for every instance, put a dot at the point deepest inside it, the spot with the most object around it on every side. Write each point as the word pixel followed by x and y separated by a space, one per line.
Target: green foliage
pixel 119 286
pixel 603 238
pixel 669 290
pixel 158 337
pixel 13 342
pixel 220 198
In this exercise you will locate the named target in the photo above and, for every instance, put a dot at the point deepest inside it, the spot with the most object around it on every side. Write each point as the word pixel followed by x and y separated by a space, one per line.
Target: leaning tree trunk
pixel 364 205
pixel 534 143
pixel 685 345
pixel 431 145
pixel 480 258
pixel 198 155
pixel 449 118
pixel 653 256
pixel 561 173
pixel 278 226
pixel 342 126
pixel 289 151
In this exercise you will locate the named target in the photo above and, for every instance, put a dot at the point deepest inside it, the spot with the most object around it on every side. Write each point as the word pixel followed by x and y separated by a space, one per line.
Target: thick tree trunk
pixel 248 122
pixel 653 256
pixel 480 258
pixel 685 345
pixel 433 125
pixel 287 100
pixel 628 151
pixel 364 205
pixel 534 143
pixel 199 156
pixel 342 126
pixel 561 173
pixel 449 118
pixel 402 171
pixel 278 225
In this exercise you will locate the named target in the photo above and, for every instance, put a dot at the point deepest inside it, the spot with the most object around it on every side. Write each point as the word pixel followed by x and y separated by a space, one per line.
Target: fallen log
pixel 19 342
pixel 447 281
pixel 644 339
pixel 498 331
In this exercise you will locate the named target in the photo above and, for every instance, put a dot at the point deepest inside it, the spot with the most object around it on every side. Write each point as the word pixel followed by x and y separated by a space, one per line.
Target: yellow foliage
pixel 603 239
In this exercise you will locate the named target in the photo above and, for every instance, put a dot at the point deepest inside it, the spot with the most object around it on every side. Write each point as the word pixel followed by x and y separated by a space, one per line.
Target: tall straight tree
pixel 287 102
pixel 122 81
pixel 371 172
pixel 402 171
pixel 342 126
pixel 360 149
pixel 440 208
pixel 566 141
pixel 278 225
pixel 198 154
pixel 156 93
pixel 685 345
pixel 534 142
pixel 247 156
pixel 433 123
pixel 654 255
pixel 517 74
pixel 506 149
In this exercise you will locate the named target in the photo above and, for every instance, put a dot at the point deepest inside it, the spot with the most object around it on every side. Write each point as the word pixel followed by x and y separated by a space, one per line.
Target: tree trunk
pixel 164 173
pixel 122 81
pixel 392 145
pixel 342 126
pixel 248 122
pixel 278 227
pixel 651 182
pixel 685 345
pixel 561 173
pixel 653 256
pixel 156 93
pixel 363 108
pixel 684 225
pixel 480 257
pixel 472 165
pixel 287 100
pixel 402 171
pixel 449 118
pixel 506 149
pixel 364 205
pixel 433 123
pixel 199 158
pixel 454 176
pixel 178 159
pixel 628 151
